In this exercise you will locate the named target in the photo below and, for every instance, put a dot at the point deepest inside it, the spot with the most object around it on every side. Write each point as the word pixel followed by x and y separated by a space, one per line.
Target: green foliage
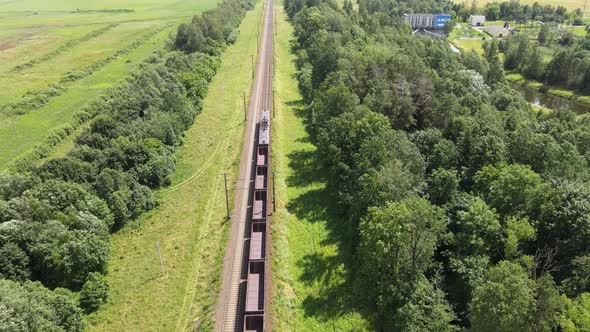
pixel 426 310
pixel 94 293
pixel 576 316
pixel 32 307
pixel 14 262
pixel 395 116
pixel 477 228
pixel 579 281
pixel 212 27
pixel 443 185
pixel 396 248
pixel 505 300
pixel 517 231
pixel 511 189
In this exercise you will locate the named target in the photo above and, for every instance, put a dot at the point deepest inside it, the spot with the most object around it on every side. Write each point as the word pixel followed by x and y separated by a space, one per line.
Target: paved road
pixel 229 308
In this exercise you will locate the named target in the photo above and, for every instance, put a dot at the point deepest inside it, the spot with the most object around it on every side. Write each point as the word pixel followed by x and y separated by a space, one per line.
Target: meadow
pixel 311 253
pixel 44 42
pixel 189 223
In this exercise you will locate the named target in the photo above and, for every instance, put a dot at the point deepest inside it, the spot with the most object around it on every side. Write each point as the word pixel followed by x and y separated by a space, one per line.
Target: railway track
pixel 245 291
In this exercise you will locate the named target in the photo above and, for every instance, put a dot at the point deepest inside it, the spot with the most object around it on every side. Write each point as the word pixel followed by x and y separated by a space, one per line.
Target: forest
pixel 56 215
pixel 469 209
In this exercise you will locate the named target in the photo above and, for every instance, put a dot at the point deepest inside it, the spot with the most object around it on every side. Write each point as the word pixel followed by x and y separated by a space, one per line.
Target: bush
pixel 94 293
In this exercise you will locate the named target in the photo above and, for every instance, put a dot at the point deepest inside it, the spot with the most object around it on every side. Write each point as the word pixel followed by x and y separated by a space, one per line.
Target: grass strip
pixel 311 256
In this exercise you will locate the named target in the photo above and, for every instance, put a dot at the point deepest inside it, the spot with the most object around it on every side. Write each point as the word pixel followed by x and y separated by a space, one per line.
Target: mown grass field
pixel 468 45
pixel 33 29
pixel 189 223
pixel 18 134
pixel 311 257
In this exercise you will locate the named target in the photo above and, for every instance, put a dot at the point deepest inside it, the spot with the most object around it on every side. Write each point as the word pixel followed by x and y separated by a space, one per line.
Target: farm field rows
pixel 40 75
pixel 310 252
pixel 189 223
pixel 58 36
pixel 19 134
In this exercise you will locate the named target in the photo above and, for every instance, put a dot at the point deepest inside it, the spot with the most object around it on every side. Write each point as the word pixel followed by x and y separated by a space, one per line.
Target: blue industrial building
pixel 427 21
pixel 440 20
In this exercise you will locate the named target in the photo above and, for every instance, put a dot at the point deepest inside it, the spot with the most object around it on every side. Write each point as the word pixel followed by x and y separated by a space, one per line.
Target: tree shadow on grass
pixel 327 275
pixel 303 161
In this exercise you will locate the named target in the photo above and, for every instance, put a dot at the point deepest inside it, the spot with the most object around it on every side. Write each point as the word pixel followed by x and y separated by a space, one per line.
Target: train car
pixel 258 241
pixel 264 134
pixel 255 287
pixel 254 305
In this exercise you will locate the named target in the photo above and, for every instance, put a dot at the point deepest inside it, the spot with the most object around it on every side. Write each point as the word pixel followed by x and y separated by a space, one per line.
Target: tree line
pixel 568 64
pixel 515 11
pixel 469 209
pixel 507 10
pixel 56 217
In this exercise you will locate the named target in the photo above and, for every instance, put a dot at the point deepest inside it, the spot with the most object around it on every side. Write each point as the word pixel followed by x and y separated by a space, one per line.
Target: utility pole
pixel 252 66
pixel 226 196
pixel 245 112
pixel 274 202
pixel 274 113
pixel 160 257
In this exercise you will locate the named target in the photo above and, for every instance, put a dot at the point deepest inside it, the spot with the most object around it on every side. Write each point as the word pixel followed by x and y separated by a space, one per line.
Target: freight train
pixel 254 304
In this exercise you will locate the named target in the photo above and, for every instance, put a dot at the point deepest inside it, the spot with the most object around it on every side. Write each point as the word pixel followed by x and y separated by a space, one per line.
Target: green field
pixel 470 44
pixel 311 258
pixel 189 223
pixel 580 31
pixel 52 35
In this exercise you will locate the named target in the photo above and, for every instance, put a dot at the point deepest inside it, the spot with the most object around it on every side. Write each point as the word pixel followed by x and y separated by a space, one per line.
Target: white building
pixel 477 20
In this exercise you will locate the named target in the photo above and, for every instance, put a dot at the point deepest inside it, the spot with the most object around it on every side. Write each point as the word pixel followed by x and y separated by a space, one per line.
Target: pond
pixel 547 100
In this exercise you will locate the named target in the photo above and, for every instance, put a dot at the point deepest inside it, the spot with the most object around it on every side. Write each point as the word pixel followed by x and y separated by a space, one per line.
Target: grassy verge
pixel 311 259
pixel 521 80
pixel 189 223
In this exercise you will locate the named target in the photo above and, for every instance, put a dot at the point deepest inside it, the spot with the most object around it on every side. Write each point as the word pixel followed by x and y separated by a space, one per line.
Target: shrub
pixel 94 293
